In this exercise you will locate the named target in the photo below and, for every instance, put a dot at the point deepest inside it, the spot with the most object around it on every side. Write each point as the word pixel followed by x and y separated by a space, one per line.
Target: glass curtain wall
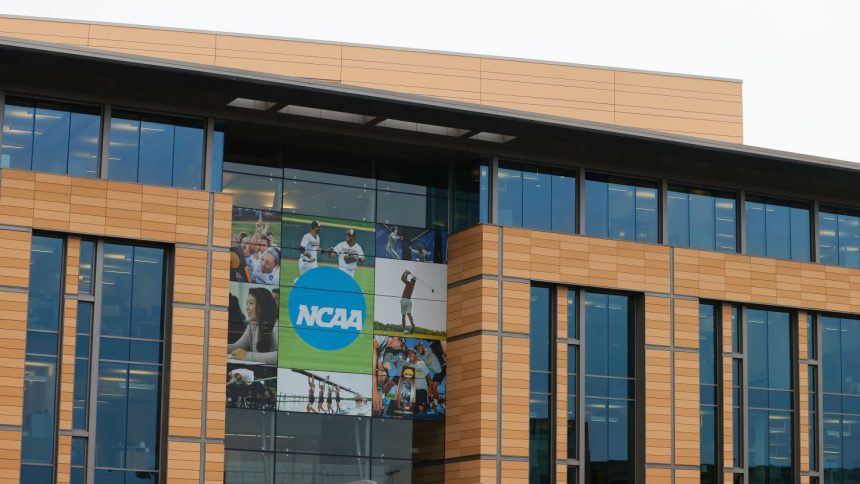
pixel 839 237
pixel 471 195
pixel 709 395
pixel 41 360
pixel 536 197
pixel 51 137
pixel 541 358
pixel 770 389
pixel 840 360
pixel 701 219
pixel 609 388
pixel 776 228
pixel 621 208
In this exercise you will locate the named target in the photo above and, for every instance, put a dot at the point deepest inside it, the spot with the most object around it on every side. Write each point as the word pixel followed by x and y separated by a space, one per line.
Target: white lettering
pixel 324 317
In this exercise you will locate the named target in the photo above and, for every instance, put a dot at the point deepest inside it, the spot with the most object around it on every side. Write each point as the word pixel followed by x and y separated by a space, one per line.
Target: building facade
pixel 257 260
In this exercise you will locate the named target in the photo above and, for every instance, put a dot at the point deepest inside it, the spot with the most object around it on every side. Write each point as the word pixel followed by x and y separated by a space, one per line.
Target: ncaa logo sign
pixel 327 308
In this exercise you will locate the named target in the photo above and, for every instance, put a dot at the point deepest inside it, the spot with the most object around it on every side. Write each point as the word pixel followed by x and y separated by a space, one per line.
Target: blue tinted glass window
pixel 540 395
pixel 777 229
pixel 536 197
pixel 471 195
pixel 217 158
pixel 39 410
pixel 80 406
pixel 156 150
pixel 770 425
pixel 708 373
pixel 839 237
pixel 620 208
pixel 51 137
pixel 701 219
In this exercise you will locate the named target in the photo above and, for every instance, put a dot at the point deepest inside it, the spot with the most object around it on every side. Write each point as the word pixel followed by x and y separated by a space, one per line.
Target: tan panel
pixel 657 320
pixel 186 372
pixel 148 212
pixel 546 72
pixel 688 103
pixel 515 472
pixel 297 69
pixel 658 411
pixel 687 323
pixel 679 83
pixel 568 109
pixel 13 336
pixel 214 464
pixel 687 411
pixel 688 126
pixel 190 276
pixel 658 475
pixel 515 396
pixel 515 307
pixel 183 462
pixel 166 44
pixel 10 455
pixel 802 336
pixel 472 252
pixel 687 476
pixel 803 393
pixel 67 363
pixel 14 269
pixel 64 459
pixel 470 471
pixel 215 373
pixel 45 30
pixel 473 306
pixel 471 419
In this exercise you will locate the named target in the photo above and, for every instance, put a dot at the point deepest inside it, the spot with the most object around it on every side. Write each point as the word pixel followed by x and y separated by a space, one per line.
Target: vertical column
pixel 727 395
pixel 14 282
pixel 474 342
pixel 67 360
pixel 686 391
pixel 561 390
pixel 658 389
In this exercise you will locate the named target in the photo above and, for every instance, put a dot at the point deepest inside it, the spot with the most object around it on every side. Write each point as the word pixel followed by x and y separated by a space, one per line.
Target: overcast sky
pixel 799 60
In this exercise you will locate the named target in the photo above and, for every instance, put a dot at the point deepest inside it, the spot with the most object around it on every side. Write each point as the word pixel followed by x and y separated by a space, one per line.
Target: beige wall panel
pixel 680 83
pixel 473 252
pixel 593 114
pixel 466 87
pixel 462 63
pixel 470 472
pixel 154 36
pixel 431 91
pixel 715 117
pixel 687 413
pixel 14 264
pixel 471 419
pixel 515 307
pixel 186 372
pixel 287 50
pixel 183 462
pixel 688 103
pixel 546 72
pixel 515 396
pixel 687 323
pixel 473 306
pixel 658 320
pixel 515 472
pixel 45 30
pixel 658 475
pixel 803 394
pixel 126 48
pixel 215 373
pixel 64 459
pixel 10 456
pixel 658 411
pixel 214 464
pixel 691 127
pixel 67 364
pixel 596 97
pixel 279 67
pixel 13 321
pixel 687 476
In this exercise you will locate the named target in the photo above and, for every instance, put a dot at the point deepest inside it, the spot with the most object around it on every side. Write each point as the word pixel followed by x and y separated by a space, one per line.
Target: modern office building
pixel 227 258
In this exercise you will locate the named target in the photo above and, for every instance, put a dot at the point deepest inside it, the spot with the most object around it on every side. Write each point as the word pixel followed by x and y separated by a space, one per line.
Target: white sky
pixel 799 60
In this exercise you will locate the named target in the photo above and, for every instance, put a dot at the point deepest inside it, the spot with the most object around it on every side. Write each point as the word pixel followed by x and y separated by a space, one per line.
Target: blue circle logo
pixel 327 308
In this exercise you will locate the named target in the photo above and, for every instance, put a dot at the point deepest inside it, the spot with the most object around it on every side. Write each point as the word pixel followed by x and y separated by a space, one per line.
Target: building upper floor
pixel 317 148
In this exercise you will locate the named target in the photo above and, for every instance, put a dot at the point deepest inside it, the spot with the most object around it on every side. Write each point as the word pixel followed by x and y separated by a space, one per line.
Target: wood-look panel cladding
pixel 489 272
pixel 706 108
pixel 197 224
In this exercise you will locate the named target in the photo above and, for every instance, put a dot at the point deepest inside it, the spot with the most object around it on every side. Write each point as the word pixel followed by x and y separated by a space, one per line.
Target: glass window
pixel 708 393
pixel 536 198
pixel 323 469
pixel 129 369
pixel 471 195
pixel 81 390
pixel 701 219
pixel 777 229
pixel 609 388
pixel 839 237
pixel 770 390
pixel 540 393
pixel 156 150
pixel 51 137
pixel 319 199
pixel 44 303
pixel 621 208
pixel 248 467
pixel 253 191
pixel 310 433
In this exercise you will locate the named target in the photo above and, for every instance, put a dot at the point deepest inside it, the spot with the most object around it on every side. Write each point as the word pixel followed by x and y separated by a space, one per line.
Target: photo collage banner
pixel 336 316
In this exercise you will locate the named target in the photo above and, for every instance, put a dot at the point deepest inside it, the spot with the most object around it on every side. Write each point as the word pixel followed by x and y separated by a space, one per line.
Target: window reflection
pixel 777 229
pixel 839 237
pixel 701 219
pixel 621 208
pixel 708 392
pixel 51 137
pixel 536 197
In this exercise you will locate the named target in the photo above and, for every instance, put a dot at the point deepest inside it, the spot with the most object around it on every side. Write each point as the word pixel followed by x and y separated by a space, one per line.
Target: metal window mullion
pixel 741 226
pixel 814 219
pixel 95 332
pixel 580 206
pixel 209 143
pixel 663 211
pixel 744 408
